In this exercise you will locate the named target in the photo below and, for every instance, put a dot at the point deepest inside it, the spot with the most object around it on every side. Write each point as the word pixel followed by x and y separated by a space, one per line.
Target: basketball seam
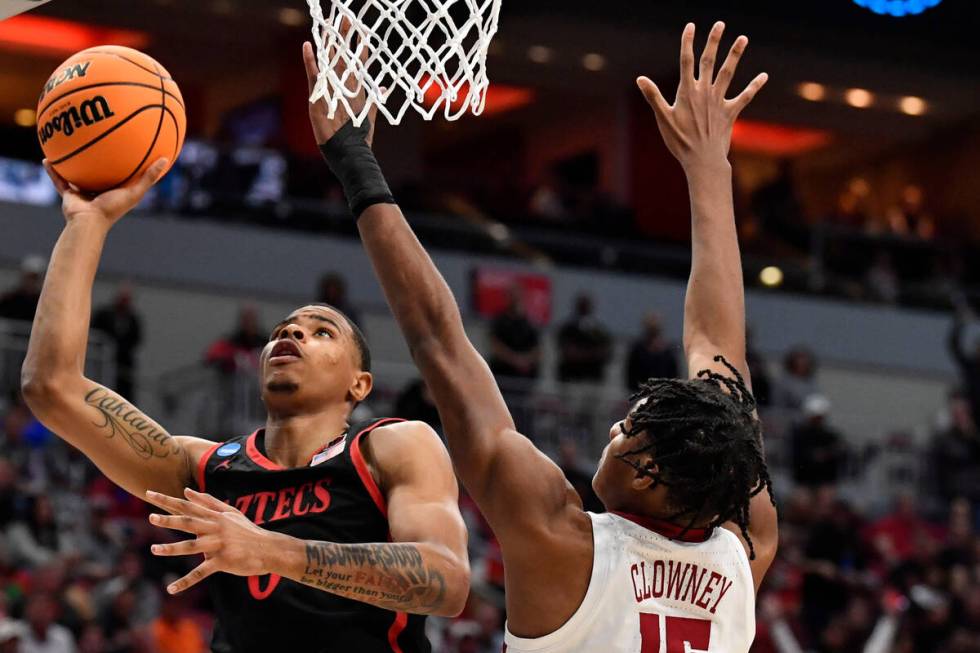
pixel 107 132
pixel 176 131
pixel 156 136
pixel 91 86
pixel 138 65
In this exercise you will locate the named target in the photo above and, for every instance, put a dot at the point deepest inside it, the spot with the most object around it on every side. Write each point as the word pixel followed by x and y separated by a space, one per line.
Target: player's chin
pixel 281 385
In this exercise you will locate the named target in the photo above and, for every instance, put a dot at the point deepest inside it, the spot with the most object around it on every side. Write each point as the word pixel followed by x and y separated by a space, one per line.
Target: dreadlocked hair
pixel 706 444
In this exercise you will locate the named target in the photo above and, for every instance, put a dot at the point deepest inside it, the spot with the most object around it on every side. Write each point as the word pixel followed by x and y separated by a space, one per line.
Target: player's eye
pixel 323 332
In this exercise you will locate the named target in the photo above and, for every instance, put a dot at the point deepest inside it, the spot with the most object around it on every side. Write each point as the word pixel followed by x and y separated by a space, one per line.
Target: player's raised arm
pixel 129 447
pixel 697 129
pixel 517 486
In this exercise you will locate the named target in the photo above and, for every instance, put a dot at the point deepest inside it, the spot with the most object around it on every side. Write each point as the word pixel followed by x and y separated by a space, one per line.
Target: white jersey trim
pixel 598 585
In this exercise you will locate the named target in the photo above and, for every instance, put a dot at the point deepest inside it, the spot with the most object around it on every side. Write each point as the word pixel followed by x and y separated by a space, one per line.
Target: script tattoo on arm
pixel 118 418
pixel 392 576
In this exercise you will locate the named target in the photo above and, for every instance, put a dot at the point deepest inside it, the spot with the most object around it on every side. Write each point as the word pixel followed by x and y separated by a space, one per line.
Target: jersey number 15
pixel 680 633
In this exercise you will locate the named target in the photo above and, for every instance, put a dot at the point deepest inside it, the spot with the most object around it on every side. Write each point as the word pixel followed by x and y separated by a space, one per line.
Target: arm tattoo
pixel 392 576
pixel 144 437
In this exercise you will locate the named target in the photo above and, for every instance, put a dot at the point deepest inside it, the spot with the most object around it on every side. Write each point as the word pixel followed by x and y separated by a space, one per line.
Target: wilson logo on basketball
pixel 69 73
pixel 88 113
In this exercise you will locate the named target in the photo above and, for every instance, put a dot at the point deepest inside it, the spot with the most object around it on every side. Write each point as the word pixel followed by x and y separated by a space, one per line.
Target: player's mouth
pixel 284 351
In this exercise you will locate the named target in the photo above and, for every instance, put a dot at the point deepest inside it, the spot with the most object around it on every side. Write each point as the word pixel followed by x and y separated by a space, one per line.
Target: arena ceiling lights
pixel 40 34
pixel 897 8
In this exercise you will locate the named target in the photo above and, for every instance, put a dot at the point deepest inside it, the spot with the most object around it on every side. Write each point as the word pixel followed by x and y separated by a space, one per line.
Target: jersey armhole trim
pixel 361 465
pixel 603 541
pixel 252 451
pixel 202 466
pixel 401 621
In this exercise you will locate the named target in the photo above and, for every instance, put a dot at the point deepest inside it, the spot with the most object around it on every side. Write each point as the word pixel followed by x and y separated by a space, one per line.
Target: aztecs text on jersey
pixel 333 499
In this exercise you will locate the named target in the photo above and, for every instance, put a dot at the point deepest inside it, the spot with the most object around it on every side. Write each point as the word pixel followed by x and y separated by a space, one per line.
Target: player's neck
pixel 292 440
pixel 653 505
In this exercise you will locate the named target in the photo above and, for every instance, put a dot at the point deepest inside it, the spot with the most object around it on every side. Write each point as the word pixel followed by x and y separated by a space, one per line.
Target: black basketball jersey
pixel 333 499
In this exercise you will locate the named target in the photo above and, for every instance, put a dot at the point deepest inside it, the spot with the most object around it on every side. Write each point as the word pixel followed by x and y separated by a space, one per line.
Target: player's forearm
pixel 418 578
pixel 59 336
pixel 714 311
pixel 418 295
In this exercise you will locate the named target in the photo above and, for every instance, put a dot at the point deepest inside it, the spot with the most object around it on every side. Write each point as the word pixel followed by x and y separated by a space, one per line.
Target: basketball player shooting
pixel 691 529
pixel 328 533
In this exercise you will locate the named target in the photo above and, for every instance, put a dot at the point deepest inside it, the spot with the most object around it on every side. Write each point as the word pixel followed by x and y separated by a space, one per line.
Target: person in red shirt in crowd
pixel 902 534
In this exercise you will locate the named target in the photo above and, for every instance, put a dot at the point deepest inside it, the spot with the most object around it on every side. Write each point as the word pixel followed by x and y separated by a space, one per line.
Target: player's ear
pixel 361 386
pixel 643 481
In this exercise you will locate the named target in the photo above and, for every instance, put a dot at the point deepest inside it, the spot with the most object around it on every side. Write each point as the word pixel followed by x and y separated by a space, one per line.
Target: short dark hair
pixel 363 350
pixel 707 444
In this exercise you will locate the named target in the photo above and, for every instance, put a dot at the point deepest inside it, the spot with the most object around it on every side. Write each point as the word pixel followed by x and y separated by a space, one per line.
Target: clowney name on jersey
pixel 653 594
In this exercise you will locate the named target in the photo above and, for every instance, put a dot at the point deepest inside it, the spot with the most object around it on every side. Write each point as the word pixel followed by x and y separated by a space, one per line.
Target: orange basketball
pixel 107 114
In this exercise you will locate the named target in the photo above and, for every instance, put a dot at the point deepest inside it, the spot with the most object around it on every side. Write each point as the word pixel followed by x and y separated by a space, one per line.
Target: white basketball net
pixel 425 54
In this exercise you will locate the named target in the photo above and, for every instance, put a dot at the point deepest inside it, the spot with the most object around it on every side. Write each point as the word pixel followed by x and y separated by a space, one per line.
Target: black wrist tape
pixel 350 158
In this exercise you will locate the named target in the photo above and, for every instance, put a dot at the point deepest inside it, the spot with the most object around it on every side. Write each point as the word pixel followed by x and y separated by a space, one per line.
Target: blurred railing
pixel 213 403
pixel 842 258
pixel 207 402
pixel 14 336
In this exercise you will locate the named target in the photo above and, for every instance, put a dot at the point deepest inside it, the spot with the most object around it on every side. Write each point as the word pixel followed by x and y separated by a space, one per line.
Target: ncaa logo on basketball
pixel 66 75
pixel 91 111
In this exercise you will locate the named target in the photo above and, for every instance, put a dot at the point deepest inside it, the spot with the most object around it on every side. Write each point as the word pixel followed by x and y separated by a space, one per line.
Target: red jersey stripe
pixel 362 469
pixel 668 529
pixel 401 620
pixel 258 457
pixel 202 466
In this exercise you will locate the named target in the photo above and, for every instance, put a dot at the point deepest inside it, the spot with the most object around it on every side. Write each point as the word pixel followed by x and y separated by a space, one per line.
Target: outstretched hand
pixel 324 127
pixel 229 541
pixel 111 205
pixel 697 128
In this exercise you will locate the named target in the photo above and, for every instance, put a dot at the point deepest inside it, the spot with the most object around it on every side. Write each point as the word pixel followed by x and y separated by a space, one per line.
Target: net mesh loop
pixel 427 55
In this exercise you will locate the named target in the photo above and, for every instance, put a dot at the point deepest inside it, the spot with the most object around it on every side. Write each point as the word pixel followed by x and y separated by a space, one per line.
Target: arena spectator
pixel 239 351
pixel 174 631
pixel 141 603
pixel 652 356
pixel 777 208
pixel 956 453
pixel 11 635
pixel 968 362
pixel 515 351
pixel 101 542
pixel 832 561
pixel 124 327
pixel 43 635
pixel 92 639
pixel 851 207
pixel 10 497
pixel 902 534
pixel 20 302
pixel 415 403
pixel 761 385
pixel 578 474
pixel 36 540
pixel 584 345
pixel 799 379
pixel 819 452
pixel 333 290
pixel 480 630
pixel 882 282
pixel 909 217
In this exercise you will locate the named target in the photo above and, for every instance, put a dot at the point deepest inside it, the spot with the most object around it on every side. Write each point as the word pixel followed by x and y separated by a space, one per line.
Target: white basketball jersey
pixel 653 594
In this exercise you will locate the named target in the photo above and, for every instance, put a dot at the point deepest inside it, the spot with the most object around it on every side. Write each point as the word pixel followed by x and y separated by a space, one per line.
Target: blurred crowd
pixel 75 574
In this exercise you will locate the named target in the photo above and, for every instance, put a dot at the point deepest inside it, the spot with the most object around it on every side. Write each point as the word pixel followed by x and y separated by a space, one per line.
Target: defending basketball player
pixel 691 528
pixel 329 533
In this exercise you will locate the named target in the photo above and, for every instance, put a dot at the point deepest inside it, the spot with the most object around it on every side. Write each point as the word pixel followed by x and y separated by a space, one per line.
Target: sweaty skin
pixel 545 536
